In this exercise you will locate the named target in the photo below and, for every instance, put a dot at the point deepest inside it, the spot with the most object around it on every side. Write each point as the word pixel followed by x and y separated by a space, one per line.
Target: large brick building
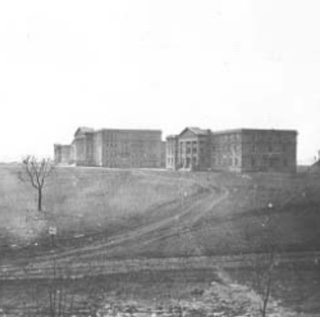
pixel 242 150
pixel 114 148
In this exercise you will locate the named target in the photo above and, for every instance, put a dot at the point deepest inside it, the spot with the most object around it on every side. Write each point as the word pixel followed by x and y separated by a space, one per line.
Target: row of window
pixel 226 148
pixel 171 150
pixel 227 161
pixel 269 137
pixel 271 162
pixel 170 161
pixel 131 164
pixel 237 147
pixel 227 138
pixel 233 162
pixel 269 148
pixel 132 136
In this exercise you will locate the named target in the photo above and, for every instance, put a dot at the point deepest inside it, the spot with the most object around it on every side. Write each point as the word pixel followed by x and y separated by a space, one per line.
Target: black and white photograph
pixel 160 158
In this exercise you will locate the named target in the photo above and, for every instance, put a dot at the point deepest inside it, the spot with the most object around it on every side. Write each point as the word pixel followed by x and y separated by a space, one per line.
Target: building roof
pixel 241 130
pixel 83 130
pixel 197 131
pixel 130 130
pixel 172 136
pixel 61 145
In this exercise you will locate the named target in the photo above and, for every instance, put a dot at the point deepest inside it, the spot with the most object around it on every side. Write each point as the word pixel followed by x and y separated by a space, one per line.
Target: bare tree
pixel 58 295
pixel 37 171
pixel 263 266
pixel 262 262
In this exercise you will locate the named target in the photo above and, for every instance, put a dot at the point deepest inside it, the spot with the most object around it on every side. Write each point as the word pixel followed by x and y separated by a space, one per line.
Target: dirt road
pixel 181 215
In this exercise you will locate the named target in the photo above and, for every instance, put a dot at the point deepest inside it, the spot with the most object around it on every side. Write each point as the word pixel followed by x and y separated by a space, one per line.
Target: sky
pixel 216 64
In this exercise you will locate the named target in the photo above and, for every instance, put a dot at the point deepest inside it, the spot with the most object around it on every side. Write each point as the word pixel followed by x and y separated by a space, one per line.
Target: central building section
pixel 117 148
pixel 194 149
pixel 129 148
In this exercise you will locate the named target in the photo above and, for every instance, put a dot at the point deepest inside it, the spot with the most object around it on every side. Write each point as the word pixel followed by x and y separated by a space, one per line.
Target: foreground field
pixel 195 292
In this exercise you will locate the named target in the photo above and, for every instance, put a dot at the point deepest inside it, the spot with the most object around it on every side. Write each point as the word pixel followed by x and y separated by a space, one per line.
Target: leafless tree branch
pixel 37 172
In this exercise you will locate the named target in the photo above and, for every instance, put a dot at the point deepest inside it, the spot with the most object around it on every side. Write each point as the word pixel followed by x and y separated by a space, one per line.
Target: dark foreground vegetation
pixel 193 292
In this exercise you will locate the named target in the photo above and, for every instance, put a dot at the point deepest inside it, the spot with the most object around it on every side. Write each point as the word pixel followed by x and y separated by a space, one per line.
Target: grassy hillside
pixel 86 201
pixel 162 213
pixel 262 211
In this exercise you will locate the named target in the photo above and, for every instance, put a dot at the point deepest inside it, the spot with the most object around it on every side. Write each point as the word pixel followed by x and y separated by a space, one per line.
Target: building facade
pixel 172 152
pixel 117 148
pixel 242 150
pixel 63 154
pixel 194 149
pixel 226 151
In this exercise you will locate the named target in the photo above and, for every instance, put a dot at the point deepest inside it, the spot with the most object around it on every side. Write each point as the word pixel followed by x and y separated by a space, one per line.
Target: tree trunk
pixel 40 199
pixel 266 297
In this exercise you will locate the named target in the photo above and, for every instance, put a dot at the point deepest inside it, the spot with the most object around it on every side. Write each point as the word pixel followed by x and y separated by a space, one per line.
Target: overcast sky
pixel 218 64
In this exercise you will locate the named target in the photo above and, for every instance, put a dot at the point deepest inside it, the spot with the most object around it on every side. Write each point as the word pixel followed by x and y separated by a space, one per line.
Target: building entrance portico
pixel 192 148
